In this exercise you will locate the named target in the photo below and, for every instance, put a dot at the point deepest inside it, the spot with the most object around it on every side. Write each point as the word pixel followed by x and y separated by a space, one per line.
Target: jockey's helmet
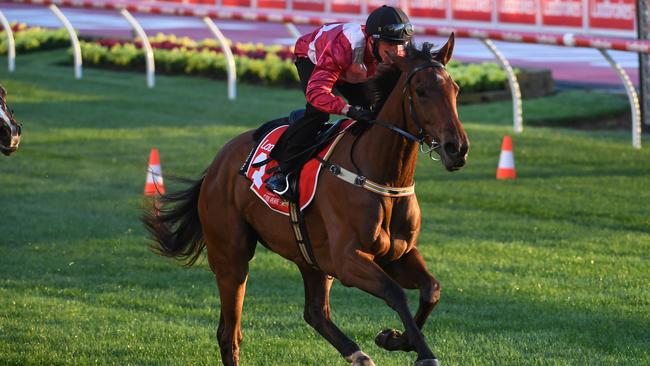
pixel 389 24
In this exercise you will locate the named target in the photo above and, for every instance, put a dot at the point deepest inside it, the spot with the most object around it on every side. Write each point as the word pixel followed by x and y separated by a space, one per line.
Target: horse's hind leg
pixel 411 272
pixel 317 314
pixel 229 251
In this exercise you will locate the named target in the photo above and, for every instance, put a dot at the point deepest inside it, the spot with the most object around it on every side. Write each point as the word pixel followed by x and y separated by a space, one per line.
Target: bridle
pixel 420 138
pixel 357 178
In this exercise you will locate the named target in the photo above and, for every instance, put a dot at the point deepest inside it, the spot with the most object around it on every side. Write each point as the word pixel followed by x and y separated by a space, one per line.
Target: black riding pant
pixel 293 148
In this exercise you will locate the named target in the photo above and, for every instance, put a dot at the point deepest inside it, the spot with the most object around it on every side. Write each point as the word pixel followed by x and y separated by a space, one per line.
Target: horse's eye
pixel 421 92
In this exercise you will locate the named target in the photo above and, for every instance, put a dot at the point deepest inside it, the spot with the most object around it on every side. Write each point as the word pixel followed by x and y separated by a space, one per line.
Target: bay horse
pixel 363 239
pixel 10 130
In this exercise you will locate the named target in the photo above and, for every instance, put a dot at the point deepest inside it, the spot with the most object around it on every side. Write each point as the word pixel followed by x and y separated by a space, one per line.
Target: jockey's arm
pixel 319 91
pixel 331 65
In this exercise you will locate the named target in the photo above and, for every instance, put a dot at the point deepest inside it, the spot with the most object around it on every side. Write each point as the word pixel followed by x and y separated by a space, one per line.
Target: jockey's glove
pixel 359 113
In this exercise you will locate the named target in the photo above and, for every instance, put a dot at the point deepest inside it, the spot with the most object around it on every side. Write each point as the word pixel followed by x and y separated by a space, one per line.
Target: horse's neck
pixel 385 156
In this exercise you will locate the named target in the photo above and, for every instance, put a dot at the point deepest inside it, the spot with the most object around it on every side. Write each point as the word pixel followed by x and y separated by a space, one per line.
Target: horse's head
pixel 9 129
pixel 430 95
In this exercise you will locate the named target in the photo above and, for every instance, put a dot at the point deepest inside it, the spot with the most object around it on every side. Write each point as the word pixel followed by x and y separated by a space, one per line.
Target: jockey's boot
pixel 278 183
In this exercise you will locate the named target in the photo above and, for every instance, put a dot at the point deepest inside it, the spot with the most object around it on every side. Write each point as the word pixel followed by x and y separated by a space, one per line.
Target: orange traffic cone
pixel 154 185
pixel 506 169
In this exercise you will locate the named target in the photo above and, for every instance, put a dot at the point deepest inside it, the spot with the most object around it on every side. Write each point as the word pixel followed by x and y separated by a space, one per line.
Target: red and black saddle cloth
pixel 258 173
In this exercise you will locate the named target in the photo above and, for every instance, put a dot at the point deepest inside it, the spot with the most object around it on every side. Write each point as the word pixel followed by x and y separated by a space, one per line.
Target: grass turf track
pixel 549 269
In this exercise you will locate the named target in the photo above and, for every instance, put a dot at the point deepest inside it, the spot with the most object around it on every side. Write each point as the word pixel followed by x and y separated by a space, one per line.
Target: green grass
pixel 577 108
pixel 549 269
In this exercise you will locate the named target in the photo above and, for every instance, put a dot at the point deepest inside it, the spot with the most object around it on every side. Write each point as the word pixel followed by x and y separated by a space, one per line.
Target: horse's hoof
pixel 363 361
pixel 386 336
pixel 360 359
pixel 392 340
pixel 430 362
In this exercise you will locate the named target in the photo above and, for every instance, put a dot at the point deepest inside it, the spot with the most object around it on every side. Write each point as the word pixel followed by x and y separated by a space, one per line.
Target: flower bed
pixel 171 42
pixel 31 39
pixel 271 65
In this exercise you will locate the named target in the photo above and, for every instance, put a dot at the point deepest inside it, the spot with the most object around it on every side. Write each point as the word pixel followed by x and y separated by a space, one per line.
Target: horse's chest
pixel 399 230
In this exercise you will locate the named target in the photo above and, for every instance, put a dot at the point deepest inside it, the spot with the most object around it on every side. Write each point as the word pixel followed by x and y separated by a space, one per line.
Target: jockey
pixel 341 57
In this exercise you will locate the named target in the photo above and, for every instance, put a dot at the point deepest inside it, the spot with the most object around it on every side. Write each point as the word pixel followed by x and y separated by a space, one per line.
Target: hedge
pixel 31 39
pixel 267 66
pixel 256 63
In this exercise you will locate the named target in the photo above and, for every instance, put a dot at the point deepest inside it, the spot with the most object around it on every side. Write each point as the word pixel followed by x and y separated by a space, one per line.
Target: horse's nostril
pixel 451 148
pixel 463 149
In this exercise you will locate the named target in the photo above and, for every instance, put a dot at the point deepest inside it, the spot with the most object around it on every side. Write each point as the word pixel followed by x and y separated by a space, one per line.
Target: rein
pixel 363 182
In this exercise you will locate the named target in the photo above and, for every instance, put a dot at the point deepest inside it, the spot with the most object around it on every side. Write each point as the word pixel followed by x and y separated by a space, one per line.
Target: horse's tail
pixel 175 226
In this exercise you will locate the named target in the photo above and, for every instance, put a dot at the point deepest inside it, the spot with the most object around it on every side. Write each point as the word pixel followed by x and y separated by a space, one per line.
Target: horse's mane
pixel 387 75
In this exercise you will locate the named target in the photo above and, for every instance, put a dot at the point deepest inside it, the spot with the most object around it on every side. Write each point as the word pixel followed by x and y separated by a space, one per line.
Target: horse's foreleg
pixel 411 272
pixel 359 270
pixel 317 314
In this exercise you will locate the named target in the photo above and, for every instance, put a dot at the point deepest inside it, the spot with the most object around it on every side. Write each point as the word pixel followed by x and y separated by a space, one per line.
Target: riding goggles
pixel 395 32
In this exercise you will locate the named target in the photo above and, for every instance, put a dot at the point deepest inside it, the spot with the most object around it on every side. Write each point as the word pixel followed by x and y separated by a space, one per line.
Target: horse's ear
pixel 397 61
pixel 444 54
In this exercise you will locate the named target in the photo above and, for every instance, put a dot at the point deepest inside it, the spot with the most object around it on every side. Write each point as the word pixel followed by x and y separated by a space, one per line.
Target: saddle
pixel 302 186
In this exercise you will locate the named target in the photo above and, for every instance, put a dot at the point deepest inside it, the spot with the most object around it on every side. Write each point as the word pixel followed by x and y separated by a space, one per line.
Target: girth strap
pixel 297 218
pixel 300 233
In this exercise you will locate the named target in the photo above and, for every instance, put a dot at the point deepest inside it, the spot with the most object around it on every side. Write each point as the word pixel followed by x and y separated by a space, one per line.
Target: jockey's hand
pixel 359 113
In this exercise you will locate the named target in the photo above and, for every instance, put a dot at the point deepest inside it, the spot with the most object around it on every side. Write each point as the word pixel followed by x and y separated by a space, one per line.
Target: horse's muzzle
pixel 454 155
pixel 8 151
pixel 14 142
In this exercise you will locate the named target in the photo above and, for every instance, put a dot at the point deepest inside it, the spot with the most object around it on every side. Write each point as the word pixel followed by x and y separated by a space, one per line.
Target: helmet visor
pixel 396 32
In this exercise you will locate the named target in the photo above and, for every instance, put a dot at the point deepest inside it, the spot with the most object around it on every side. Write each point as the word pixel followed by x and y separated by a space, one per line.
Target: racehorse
pixel 10 130
pixel 362 238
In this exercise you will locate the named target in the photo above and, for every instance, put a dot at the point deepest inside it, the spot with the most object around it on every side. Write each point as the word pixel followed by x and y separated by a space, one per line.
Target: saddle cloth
pixel 308 175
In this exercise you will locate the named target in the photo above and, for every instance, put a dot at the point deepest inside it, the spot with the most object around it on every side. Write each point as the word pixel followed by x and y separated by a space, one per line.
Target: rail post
pixel 146 46
pixel 11 44
pixel 293 30
pixel 644 60
pixel 517 110
pixel 230 59
pixel 631 95
pixel 76 48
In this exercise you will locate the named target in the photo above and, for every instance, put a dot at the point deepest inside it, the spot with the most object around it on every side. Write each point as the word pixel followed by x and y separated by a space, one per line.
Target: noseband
pixel 421 136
